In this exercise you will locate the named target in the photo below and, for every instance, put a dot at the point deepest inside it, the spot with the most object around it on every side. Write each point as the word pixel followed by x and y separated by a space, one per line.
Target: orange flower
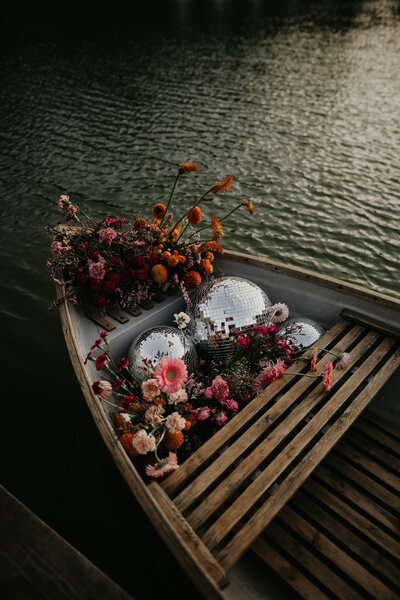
pixel 159 210
pixel 173 441
pixel 223 186
pixel 207 266
pixel 140 223
pixel 181 259
pixel 187 167
pixel 217 230
pixel 126 441
pixel 173 259
pixel 165 255
pixel 187 425
pixel 213 246
pixel 192 279
pixel 195 249
pixel 249 206
pixel 159 400
pixel 194 217
pixel 176 230
pixel 192 419
pixel 135 406
pixel 209 256
pixel 159 273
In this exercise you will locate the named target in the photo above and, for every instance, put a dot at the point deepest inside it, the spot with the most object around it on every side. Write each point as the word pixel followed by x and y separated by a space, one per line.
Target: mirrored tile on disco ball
pixel 221 307
pixel 304 332
pixel 154 344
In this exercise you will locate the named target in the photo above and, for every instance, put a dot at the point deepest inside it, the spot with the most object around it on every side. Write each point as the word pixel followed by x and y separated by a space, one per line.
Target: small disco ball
pixel 154 344
pixel 302 332
pixel 222 306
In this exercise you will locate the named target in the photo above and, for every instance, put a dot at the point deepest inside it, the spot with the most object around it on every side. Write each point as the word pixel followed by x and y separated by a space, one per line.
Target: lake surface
pixel 300 101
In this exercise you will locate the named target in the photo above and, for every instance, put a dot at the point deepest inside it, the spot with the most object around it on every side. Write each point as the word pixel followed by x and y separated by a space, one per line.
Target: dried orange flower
pixel 173 441
pixel 223 186
pixel 187 425
pixel 192 419
pixel 126 441
pixel 249 206
pixel 159 210
pixel 159 400
pixel 209 256
pixel 207 266
pixel 159 273
pixel 187 167
pixel 140 223
pixel 213 246
pixel 194 217
pixel 181 259
pixel 192 279
pixel 165 255
pixel 217 230
pixel 195 249
pixel 176 230
pixel 173 259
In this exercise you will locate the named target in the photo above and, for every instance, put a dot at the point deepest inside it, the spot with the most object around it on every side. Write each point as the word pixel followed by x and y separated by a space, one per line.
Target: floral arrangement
pixel 166 418
pixel 120 263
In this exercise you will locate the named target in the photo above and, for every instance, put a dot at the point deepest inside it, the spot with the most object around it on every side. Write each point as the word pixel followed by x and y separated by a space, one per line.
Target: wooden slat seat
pixel 230 489
pixel 337 538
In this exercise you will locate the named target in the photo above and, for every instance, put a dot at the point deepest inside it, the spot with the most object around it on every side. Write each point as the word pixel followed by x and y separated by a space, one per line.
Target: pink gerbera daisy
pixel 342 360
pixel 170 374
pixel 278 312
pixel 163 466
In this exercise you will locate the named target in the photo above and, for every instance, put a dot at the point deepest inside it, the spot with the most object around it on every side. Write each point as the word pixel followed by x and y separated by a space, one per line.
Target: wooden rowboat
pixel 309 482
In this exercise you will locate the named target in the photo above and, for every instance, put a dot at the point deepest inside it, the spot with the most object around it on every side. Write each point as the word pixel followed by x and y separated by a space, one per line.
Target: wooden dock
pixel 38 564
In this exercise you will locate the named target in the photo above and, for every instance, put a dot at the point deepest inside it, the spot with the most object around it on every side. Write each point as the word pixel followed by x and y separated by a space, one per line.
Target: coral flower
pixel 170 374
pixel 163 466
pixel 207 266
pixel 187 167
pixel 279 311
pixel 249 206
pixel 213 246
pixel 216 228
pixel 159 210
pixel 173 441
pixel 194 217
pixel 102 388
pixel 107 235
pixel 314 360
pixel 159 273
pixel 327 376
pixel 126 441
pixel 342 360
pixel 223 186
pixel 192 279
pixel 140 223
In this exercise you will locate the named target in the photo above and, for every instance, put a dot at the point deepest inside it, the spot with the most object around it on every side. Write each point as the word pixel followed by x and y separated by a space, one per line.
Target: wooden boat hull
pixel 307 294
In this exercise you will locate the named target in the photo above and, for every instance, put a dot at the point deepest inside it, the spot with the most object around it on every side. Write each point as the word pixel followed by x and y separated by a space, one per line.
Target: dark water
pixel 298 100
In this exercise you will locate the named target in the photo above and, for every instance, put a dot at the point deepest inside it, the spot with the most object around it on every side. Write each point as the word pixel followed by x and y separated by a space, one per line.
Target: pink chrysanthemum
pixel 314 360
pixel 342 360
pixel 279 311
pixel 327 376
pixel 170 374
pixel 164 466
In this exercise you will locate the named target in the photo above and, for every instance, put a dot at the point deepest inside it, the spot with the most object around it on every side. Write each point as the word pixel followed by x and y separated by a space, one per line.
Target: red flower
pixel 101 361
pixel 142 274
pixel 95 255
pixel 95 284
pixel 81 278
pixel 123 364
pixel 109 287
pixel 101 301
pixel 153 259
pixel 115 260
pixel 261 330
pixel 125 274
pixel 140 261
pixel 272 329
pixel 113 277
pixel 129 258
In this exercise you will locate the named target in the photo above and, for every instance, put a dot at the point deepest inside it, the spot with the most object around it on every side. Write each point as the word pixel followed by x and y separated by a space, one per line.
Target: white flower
pixel 143 442
pixel 153 415
pixel 177 397
pixel 175 423
pixel 182 319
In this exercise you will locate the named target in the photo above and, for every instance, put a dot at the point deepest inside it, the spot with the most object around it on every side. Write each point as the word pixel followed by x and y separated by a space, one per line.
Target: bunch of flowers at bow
pixel 151 419
pixel 120 262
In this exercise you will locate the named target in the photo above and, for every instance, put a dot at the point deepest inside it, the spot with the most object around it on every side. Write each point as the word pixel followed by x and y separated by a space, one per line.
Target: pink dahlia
pixel 327 376
pixel 342 360
pixel 102 388
pixel 170 374
pixel 107 235
pixel 163 466
pixel 278 312
pixel 314 360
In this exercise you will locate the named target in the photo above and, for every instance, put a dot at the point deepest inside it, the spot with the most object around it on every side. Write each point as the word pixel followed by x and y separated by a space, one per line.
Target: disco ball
pixel 302 332
pixel 154 344
pixel 222 306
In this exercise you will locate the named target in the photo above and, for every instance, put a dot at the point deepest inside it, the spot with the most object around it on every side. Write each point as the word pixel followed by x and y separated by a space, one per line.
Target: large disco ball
pixel 222 306
pixel 154 344
pixel 302 332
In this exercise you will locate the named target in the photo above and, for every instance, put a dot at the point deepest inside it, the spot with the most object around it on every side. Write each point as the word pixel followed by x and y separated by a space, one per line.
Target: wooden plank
pixel 198 555
pixel 133 310
pixel 146 304
pixel 283 567
pixel 256 489
pixel 235 548
pixel 348 489
pixel 384 425
pixel 224 490
pixel 215 443
pixel 370 432
pixel 315 520
pixel 346 512
pixel 38 563
pixel 366 447
pixel 99 320
pixel 115 314
pixel 369 322
pixel 313 563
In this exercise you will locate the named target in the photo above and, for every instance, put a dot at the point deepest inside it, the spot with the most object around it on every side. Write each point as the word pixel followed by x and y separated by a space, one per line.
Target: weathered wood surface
pixel 336 537
pixel 36 563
